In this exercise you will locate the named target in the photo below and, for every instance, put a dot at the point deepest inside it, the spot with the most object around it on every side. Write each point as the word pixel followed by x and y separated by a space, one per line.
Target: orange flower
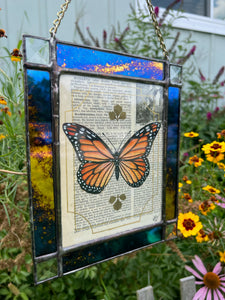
pixel 221 134
pixel 16 55
pixel 195 160
pixel 202 236
pixel 206 207
pixel 2 101
pixel 2 33
pixel 187 197
pixel 211 189
pixel 6 111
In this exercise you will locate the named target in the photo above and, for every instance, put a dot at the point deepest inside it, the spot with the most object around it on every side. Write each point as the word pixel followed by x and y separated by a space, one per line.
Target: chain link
pixel 64 7
pixel 60 16
pixel 157 29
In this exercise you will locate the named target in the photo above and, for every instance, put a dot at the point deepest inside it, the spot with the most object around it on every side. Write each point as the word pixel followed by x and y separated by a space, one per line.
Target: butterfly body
pixel 98 162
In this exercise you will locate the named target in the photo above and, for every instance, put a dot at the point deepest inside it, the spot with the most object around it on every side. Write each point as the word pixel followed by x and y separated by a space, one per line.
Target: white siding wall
pixel 36 16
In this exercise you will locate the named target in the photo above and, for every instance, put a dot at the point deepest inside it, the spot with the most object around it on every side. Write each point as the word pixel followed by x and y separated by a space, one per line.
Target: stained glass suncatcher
pixel 102 147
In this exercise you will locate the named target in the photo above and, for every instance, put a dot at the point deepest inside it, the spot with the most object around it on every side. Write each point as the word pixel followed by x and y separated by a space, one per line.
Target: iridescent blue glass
pixel 172 151
pixel 41 160
pixel 74 57
pixel 92 254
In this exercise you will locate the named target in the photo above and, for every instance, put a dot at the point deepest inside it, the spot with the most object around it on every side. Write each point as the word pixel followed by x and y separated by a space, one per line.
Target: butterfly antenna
pixel 124 139
pixel 109 140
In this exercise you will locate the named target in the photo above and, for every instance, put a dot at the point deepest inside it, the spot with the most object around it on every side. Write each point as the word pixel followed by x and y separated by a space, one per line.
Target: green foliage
pixel 200 111
pixel 12 153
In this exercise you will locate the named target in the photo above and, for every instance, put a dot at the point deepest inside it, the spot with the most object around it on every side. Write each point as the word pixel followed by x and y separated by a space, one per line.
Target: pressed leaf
pixel 117 109
pixel 122 115
pixel 123 197
pixel 112 199
pixel 112 115
pixel 117 205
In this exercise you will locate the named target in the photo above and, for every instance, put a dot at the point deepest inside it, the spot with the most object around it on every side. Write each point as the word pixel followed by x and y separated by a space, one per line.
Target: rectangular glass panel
pixel 93 254
pixel 108 145
pixel 41 160
pixel 47 269
pixel 37 51
pixel 111 141
pixel 74 57
pixel 175 74
pixel 172 151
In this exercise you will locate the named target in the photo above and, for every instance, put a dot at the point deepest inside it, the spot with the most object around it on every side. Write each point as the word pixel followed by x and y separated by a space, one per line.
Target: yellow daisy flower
pixel 211 189
pixel 221 166
pixel 189 182
pixel 191 134
pixel 180 186
pixel 16 55
pixel 2 136
pixel 222 256
pixel 189 224
pixel 214 151
pixel 2 101
pixel 206 207
pixel 201 236
pixel 195 160
pixel 215 158
pixel 214 146
pixel 187 197
pixel 15 58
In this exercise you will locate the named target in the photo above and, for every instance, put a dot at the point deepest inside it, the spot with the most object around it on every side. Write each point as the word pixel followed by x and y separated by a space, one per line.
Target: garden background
pixel 202 166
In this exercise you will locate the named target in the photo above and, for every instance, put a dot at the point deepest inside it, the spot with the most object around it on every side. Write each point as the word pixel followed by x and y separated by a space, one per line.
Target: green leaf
pixel 112 115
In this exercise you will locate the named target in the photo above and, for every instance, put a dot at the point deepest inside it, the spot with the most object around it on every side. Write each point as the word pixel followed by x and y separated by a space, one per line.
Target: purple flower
pixel 156 11
pixel 217 109
pixel 192 50
pixel 213 283
pixel 116 40
pixel 186 154
pixel 218 75
pixel 202 77
pixel 209 116
pixel 221 199
pixel 185 58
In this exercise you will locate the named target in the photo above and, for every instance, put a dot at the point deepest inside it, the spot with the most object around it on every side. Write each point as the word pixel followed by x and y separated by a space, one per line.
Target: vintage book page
pixel 114 110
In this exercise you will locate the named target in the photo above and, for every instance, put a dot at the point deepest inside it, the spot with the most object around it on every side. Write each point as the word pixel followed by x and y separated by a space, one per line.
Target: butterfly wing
pixel 134 166
pixel 97 165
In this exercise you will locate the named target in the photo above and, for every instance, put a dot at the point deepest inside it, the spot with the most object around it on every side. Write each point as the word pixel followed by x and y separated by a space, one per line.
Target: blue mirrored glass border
pixel 97 253
pixel 105 62
pixel 39 124
pixel 172 151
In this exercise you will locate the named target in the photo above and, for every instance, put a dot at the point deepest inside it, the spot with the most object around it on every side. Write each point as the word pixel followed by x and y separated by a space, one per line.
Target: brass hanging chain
pixel 60 16
pixel 64 7
pixel 157 29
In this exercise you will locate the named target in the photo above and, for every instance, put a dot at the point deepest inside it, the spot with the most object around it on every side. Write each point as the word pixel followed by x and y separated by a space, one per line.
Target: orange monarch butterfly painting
pixel 98 162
